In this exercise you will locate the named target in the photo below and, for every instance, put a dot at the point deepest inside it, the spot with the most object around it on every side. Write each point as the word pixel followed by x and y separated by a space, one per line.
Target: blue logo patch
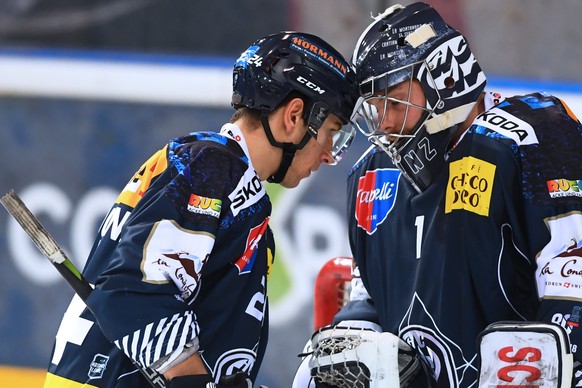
pixel 375 199
pixel 97 366
pixel 244 58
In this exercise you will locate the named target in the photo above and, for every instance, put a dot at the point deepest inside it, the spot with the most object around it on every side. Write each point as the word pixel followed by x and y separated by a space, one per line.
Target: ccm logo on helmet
pixel 310 85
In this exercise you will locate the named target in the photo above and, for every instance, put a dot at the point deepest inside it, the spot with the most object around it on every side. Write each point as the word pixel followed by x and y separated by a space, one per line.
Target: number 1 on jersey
pixel 419 223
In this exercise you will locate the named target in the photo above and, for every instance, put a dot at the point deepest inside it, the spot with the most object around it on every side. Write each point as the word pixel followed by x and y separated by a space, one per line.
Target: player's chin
pixel 293 180
pixel 290 184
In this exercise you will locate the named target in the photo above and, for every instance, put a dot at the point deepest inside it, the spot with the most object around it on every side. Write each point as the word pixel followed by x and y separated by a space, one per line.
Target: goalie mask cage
pixel 332 290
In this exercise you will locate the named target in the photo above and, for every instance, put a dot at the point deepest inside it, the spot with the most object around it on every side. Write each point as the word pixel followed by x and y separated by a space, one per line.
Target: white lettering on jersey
pixel 73 329
pixel 248 191
pixel 256 307
pixel 508 125
pixel 114 222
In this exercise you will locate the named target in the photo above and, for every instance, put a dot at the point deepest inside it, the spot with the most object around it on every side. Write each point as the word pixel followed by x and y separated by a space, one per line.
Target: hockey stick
pixel 52 251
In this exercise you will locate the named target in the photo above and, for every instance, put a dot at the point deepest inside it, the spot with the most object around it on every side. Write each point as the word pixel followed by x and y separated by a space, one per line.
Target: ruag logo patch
pixel 246 261
pixel 375 198
pixel 564 188
pixel 98 366
pixel 204 205
pixel 470 186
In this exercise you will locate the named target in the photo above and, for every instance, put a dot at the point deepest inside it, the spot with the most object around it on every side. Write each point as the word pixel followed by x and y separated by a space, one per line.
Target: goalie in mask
pixel 465 222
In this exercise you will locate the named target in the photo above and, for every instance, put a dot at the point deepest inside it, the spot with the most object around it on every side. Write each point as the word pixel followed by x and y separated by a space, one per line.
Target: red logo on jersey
pixel 246 261
pixel 375 197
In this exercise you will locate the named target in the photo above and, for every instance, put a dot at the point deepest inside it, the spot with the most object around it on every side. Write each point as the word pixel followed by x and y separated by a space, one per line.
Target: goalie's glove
pixel 362 357
pixel 525 354
pixel 238 380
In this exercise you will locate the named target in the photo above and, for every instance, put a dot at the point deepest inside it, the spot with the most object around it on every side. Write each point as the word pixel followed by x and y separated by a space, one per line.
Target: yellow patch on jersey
pixel 470 186
pixel 142 179
pixel 54 381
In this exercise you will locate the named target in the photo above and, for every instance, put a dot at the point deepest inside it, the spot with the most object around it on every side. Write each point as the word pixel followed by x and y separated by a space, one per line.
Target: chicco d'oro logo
pixel 470 186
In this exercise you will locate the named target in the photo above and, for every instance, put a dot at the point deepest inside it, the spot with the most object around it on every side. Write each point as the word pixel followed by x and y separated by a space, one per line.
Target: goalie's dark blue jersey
pixel 180 263
pixel 496 236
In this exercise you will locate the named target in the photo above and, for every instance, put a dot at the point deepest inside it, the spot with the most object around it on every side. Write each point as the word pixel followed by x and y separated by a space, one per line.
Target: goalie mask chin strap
pixel 289 149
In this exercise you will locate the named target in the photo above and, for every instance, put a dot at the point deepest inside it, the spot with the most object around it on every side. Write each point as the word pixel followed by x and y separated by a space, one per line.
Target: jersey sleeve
pixel 519 172
pixel 154 244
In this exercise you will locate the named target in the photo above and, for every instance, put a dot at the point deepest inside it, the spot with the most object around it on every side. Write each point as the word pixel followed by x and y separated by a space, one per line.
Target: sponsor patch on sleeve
pixel 507 125
pixel 204 205
pixel 564 188
pixel 470 186
pixel 559 263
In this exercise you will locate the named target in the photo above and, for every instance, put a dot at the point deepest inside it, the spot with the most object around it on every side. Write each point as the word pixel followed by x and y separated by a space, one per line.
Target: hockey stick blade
pixel 52 251
pixel 45 243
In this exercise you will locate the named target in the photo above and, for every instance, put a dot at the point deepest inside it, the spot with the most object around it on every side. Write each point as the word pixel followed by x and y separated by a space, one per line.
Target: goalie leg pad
pixel 524 354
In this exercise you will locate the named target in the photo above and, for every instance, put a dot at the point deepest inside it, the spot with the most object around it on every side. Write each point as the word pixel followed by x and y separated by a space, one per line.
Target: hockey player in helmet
pixel 465 221
pixel 417 46
pixel 269 72
pixel 181 263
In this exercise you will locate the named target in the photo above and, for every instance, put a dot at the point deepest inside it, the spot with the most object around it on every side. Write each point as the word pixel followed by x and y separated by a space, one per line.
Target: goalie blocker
pixel 524 354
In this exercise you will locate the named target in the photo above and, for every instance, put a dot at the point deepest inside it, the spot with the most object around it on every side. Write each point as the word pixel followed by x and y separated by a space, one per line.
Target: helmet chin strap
pixel 289 150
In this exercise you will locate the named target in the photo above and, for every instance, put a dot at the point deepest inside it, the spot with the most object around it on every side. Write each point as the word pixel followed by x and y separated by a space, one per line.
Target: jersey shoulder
pixel 206 164
pixel 545 137
pixel 528 119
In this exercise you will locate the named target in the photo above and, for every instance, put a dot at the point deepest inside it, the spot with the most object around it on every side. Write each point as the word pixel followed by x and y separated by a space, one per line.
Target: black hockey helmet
pixel 414 42
pixel 276 65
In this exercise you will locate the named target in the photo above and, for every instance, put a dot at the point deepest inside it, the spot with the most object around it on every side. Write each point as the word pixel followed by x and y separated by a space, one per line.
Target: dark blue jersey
pixel 497 235
pixel 180 265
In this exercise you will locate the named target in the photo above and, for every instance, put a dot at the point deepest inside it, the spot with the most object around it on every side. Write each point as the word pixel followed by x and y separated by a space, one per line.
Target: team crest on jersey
pixel 233 361
pixel 375 199
pixel 97 366
pixel 246 261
